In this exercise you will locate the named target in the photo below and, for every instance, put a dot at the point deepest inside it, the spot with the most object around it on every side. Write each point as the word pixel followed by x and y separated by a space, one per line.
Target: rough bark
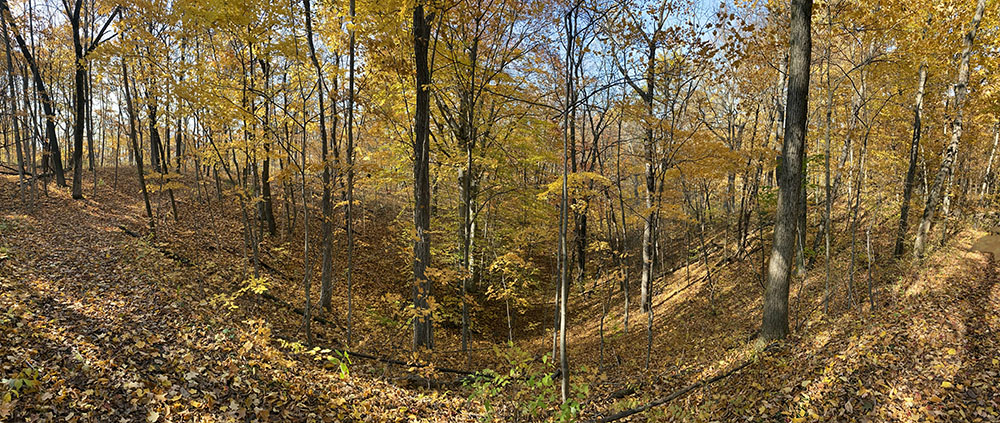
pixel 422 321
pixel 775 318
pixel 79 101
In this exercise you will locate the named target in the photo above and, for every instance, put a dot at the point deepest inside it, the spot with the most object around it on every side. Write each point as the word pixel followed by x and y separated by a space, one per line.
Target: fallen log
pixel 354 354
pixel 169 254
pixel 674 395
pixel 415 381
pixel 299 311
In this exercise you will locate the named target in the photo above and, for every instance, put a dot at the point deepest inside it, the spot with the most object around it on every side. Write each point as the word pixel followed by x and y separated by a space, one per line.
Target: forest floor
pixel 104 320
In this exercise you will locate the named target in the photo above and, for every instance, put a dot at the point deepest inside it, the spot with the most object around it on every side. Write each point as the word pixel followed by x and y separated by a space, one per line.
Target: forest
pixel 500 210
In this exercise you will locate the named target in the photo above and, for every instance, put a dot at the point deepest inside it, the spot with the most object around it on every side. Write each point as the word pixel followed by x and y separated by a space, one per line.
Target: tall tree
pixel 946 170
pixel 136 151
pixel 13 109
pixel 423 334
pixel 80 99
pixel 326 172
pixel 775 320
pixel 569 22
pixel 349 214
pixel 50 149
pixel 911 171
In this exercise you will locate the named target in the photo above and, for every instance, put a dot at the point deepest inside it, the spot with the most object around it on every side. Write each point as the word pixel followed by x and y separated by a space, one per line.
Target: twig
pixel 676 394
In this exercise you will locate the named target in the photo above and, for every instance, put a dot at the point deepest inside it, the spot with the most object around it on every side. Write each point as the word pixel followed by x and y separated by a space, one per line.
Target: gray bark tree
pixel 911 171
pixel 775 319
pixel 951 151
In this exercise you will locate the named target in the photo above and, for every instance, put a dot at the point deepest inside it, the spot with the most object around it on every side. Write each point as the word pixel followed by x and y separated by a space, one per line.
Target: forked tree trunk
pixel 136 151
pixel 79 101
pixel 911 171
pixel 951 151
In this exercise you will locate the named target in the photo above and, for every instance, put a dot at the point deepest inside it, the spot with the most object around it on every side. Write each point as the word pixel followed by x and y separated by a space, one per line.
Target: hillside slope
pixel 104 321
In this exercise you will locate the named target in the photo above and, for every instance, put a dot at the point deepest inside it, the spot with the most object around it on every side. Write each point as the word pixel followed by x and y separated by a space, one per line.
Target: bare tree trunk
pixel 326 272
pixel 826 165
pixel 623 238
pixel 50 149
pixel 306 267
pixel 645 293
pixel 326 175
pixel 911 171
pixel 422 322
pixel 136 151
pixel 265 171
pixel 79 100
pixel 988 175
pixel 349 215
pixel 775 318
pixel 951 152
pixel 13 114
pixel 800 226
pixel 570 27
pixel 858 190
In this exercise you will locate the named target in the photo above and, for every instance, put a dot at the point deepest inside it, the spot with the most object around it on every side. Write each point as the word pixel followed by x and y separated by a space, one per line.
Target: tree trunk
pixel 13 112
pixel 422 321
pixel 265 171
pixel 155 149
pixel 645 289
pixel 775 319
pixel 911 171
pixel 326 272
pixel 79 102
pixel 826 159
pixel 623 237
pixel 349 215
pixel 951 151
pixel 136 151
pixel 50 150
pixel 984 190
pixel 569 21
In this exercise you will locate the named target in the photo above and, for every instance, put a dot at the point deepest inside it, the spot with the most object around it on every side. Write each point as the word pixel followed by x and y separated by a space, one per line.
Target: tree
pixel 307 316
pixel 349 213
pixel 80 94
pixel 136 151
pixel 423 334
pixel 911 171
pixel 13 108
pixel 775 321
pixel 50 152
pixel 946 171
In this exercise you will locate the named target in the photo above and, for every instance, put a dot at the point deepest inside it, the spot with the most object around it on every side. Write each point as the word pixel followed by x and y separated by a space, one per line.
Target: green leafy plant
pixel 527 390
pixel 26 381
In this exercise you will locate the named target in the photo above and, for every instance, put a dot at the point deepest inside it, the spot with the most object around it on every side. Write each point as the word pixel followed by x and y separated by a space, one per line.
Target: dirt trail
pixel 988 244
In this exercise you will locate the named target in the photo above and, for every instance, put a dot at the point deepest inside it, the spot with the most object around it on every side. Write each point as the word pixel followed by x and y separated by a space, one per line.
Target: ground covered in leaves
pixel 102 319
pixel 99 325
